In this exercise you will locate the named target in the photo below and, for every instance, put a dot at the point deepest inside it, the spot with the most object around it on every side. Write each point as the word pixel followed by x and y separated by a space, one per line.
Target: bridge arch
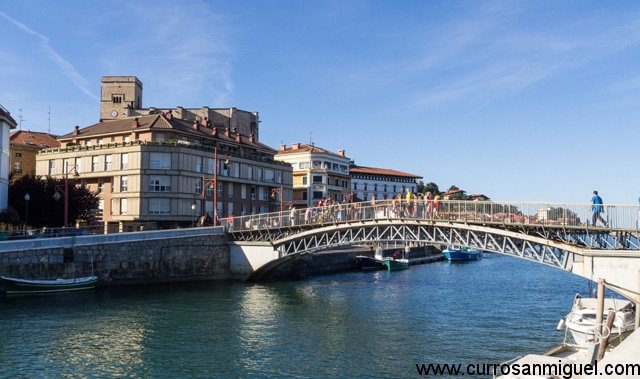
pixel 292 246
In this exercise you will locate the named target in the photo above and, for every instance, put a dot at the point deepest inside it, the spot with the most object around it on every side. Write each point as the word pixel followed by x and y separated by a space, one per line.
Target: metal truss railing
pixel 550 234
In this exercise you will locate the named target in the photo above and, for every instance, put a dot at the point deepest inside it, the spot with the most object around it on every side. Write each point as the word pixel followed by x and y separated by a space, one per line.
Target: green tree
pixel 44 209
pixel 432 188
pixel 9 216
pixel 458 195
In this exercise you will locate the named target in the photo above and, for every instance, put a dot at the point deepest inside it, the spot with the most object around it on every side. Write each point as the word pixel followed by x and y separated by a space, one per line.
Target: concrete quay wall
pixel 127 258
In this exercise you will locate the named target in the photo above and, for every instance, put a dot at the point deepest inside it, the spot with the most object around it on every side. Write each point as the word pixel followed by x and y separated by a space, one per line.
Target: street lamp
pixel 76 175
pixel 193 213
pixel 26 211
pixel 275 191
pixel 214 181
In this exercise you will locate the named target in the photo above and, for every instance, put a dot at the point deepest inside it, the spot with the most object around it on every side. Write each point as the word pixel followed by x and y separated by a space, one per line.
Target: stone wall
pixel 128 258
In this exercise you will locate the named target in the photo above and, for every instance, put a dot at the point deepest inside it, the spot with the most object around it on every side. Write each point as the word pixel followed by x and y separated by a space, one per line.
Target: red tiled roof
pixel 305 148
pixel 380 171
pixel 33 139
pixel 156 122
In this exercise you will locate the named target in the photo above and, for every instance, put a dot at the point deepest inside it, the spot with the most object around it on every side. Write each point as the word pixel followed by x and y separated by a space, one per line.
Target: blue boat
pixel 453 253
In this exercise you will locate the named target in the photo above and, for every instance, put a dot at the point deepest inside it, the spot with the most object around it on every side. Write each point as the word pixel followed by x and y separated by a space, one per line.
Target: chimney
pixel 341 153
pixel 226 132
pixel 238 137
pixel 135 124
pixel 168 115
pixel 205 122
pixel 251 139
pixel 76 130
pixel 195 124
pixel 283 147
pixel 215 132
pixel 295 146
pixel 234 130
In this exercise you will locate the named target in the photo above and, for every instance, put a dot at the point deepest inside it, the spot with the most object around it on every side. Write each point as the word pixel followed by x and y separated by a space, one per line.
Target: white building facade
pixel 382 183
pixel 6 124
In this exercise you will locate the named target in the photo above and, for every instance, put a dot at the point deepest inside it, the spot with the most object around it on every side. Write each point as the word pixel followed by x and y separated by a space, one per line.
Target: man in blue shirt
pixel 596 207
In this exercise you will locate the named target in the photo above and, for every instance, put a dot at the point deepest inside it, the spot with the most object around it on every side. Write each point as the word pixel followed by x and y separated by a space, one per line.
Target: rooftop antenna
pixel 21 119
pixel 49 128
pixel 310 138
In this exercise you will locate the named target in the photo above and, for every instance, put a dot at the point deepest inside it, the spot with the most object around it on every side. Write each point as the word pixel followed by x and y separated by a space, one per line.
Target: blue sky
pixel 518 100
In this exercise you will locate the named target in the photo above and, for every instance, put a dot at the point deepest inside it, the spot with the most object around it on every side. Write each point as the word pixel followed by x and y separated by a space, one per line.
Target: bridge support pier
pixel 248 257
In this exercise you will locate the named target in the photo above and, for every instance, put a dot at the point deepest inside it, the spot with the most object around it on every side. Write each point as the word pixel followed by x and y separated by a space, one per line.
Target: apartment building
pixel 169 170
pixel 24 149
pixel 317 173
pixel 381 182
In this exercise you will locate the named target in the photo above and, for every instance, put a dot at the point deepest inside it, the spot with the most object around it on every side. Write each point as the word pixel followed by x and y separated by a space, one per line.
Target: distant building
pixel 381 182
pixel 24 149
pixel 158 167
pixel 317 173
pixel 6 124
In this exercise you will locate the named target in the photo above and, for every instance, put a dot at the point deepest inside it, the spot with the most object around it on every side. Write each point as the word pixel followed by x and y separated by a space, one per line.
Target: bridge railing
pixel 616 216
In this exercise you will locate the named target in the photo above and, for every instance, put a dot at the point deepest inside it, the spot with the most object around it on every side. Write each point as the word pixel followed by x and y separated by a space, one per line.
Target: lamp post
pixel 74 167
pixel 214 180
pixel 193 213
pixel 275 191
pixel 26 210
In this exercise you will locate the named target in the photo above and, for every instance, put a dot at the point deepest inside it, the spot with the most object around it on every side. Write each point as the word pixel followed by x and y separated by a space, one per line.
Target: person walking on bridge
pixel 596 208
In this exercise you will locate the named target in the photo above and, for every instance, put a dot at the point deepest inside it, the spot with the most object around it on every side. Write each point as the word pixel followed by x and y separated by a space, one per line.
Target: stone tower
pixel 118 95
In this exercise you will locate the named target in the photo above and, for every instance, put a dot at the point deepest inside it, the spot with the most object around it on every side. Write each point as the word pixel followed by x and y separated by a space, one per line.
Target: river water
pixel 346 325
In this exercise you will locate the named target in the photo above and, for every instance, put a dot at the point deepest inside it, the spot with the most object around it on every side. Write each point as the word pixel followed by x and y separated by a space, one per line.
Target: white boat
pixel 581 321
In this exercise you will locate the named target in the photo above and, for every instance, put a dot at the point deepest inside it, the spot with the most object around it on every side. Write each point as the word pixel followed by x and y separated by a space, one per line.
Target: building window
pixel 243 191
pixel 123 206
pixel 317 195
pixel 162 161
pixel 317 179
pixel 117 99
pixel 100 187
pixel 259 174
pixel 304 165
pixel 210 165
pixel 304 180
pixel 107 162
pixel 17 167
pixel 198 164
pixel 337 182
pixel 124 183
pixel 253 193
pixel 209 189
pixel 95 164
pixel 230 191
pixel 264 193
pixel 219 194
pixel 159 206
pixel 52 167
pixel 18 155
pixel 344 184
pixel 269 176
pixel 198 186
pixel 159 183
pixel 250 172
pixel 124 161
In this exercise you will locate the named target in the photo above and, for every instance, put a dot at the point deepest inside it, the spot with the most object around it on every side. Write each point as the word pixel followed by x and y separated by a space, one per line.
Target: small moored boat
pixel 372 263
pixel 453 253
pixel 581 321
pixel 27 286
pixel 396 264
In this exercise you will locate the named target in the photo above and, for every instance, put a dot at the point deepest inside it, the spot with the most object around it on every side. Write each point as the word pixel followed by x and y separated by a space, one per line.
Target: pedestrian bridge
pixel 557 235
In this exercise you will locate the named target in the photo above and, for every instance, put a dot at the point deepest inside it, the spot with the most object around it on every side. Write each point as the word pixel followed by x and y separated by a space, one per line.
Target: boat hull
pixel 24 286
pixel 396 264
pixel 461 255
pixel 370 263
